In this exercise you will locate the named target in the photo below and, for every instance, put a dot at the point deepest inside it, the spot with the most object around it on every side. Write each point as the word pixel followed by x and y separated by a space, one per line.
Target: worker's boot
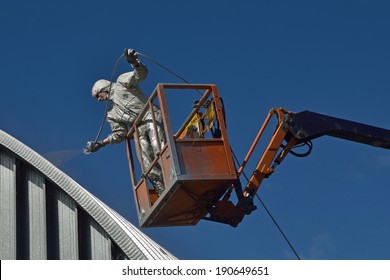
pixel 158 187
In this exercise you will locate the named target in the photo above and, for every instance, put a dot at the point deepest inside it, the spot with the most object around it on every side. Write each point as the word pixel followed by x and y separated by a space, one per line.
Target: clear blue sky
pixel 330 57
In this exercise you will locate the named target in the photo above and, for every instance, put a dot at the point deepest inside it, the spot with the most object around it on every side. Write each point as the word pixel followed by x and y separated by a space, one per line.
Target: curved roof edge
pixel 134 243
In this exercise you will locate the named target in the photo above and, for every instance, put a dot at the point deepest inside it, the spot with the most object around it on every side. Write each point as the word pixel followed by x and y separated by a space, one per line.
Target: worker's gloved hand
pixel 131 56
pixel 93 146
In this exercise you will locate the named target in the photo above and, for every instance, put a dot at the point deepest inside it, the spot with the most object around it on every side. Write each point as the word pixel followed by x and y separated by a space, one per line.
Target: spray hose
pixel 92 144
pixel 107 103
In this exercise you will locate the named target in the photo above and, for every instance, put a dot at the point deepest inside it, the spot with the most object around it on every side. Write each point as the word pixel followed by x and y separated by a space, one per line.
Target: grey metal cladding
pixel 8 209
pixel 37 215
pixel 130 240
pixel 67 226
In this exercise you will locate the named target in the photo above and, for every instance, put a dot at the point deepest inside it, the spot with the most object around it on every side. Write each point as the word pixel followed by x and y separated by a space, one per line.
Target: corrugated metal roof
pixel 130 240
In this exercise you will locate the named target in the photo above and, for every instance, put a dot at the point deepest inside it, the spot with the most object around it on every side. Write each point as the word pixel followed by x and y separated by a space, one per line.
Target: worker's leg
pixel 148 155
pixel 157 138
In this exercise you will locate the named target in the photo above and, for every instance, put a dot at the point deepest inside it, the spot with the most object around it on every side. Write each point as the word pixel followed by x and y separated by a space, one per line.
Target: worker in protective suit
pixel 127 101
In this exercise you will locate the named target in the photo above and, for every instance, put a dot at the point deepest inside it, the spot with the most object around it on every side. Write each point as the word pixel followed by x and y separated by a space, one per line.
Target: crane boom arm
pixel 308 125
pixel 296 128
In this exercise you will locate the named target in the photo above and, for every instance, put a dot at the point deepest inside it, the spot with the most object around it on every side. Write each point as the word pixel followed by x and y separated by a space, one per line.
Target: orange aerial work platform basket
pixel 196 159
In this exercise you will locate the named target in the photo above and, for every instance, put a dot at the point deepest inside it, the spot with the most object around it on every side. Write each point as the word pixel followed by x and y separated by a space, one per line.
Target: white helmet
pixel 99 86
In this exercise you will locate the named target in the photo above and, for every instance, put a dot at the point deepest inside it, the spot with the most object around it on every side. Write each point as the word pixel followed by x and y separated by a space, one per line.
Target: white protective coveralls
pixel 127 100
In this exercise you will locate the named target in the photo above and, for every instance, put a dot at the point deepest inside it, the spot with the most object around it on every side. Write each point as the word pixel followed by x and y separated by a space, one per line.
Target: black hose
pixel 107 102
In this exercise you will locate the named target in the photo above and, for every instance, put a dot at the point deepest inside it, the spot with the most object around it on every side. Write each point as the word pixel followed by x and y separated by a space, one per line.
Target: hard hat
pixel 99 86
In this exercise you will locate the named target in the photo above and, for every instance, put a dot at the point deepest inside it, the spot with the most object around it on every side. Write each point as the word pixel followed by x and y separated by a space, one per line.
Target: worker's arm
pixel 119 131
pixel 133 78
pixel 118 134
